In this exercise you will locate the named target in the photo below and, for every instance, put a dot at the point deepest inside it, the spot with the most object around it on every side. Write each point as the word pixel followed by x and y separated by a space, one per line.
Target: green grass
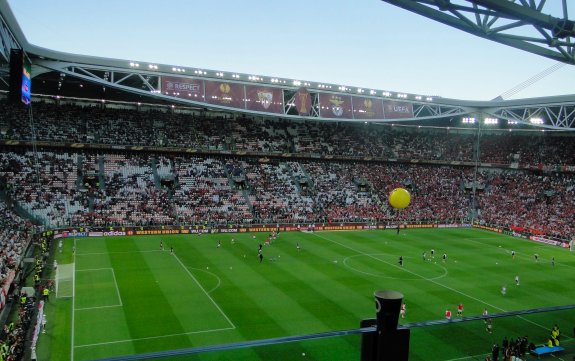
pixel 130 297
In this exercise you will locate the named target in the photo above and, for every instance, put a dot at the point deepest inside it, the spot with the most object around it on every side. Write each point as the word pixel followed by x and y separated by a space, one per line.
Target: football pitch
pixel 119 296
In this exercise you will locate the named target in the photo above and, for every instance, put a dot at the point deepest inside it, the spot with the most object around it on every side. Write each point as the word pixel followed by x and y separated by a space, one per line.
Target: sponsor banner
pixel 420 226
pixel 38 327
pixel 199 230
pixel 492 229
pixel 228 230
pixel 367 108
pixel 96 234
pixel 397 110
pixel 261 229
pixel 114 233
pixel 192 89
pixel 302 100
pixel 454 225
pixel 290 228
pixel 74 233
pixel 545 240
pixel 517 235
pixel 160 231
pixel 335 106
pixel 264 99
pixel 224 93
pixel 336 228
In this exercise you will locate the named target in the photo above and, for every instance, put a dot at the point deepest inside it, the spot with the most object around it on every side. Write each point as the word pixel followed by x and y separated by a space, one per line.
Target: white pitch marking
pixel 156 337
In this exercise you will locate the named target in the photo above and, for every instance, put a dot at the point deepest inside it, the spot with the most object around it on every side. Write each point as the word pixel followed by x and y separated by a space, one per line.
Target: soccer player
pixel 553 261
pixel 171 250
pixel 503 290
pixel 424 255
pixel 536 256
pixel 517 280
pixel 489 325
pixel 297 246
pixel 260 255
pixel 444 257
pixel 447 314
pixel 512 254
pixel 460 310
pixel 161 245
pixel 401 261
pixel 233 241
pixel 402 310
pixel 485 313
pixel 219 244
pixel 398 229
pixel 432 253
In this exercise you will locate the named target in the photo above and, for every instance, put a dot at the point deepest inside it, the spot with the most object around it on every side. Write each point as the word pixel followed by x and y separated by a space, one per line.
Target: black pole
pixel 387 343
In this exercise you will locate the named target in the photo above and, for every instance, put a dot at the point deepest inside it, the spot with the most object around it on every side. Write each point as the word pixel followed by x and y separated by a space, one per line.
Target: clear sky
pixel 366 43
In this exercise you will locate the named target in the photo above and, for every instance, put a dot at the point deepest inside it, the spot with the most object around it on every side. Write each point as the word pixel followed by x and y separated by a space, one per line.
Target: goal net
pixel 64 280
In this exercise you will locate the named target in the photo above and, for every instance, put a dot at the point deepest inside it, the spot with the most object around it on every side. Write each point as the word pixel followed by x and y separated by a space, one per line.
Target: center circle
pixel 383 265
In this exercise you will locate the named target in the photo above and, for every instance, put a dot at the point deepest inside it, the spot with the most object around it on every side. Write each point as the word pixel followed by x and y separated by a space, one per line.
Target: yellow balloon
pixel 399 198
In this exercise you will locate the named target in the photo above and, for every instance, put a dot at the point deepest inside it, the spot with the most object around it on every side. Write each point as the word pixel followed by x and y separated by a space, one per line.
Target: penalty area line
pixel 155 337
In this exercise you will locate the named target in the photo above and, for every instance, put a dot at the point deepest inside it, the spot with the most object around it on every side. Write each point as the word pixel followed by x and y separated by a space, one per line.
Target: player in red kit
pixel 448 314
pixel 460 310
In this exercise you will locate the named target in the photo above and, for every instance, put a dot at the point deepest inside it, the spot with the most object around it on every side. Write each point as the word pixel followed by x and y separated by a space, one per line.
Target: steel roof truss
pixel 493 19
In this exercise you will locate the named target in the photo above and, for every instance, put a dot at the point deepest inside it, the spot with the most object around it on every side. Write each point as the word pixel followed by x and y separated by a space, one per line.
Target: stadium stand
pixel 524 186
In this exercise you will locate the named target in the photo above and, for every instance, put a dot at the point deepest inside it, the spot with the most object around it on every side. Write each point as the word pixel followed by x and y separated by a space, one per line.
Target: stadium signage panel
pixel 75 234
pixel 419 226
pixel 114 233
pixel 196 231
pixel 367 108
pixel 492 229
pixel 397 110
pixel 26 81
pixel 226 94
pixel 264 99
pixel 186 88
pixel 548 241
pixel 302 100
pixel 160 231
pixel 335 106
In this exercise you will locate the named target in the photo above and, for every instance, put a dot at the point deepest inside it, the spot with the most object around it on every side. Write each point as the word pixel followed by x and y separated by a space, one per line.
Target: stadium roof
pixel 58 73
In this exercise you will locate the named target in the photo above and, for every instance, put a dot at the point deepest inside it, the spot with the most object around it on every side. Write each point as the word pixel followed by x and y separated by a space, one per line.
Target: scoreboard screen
pixel 20 77
pixel 26 81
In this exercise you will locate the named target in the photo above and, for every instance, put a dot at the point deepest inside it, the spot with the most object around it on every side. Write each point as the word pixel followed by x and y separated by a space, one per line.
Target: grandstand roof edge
pixel 11 21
